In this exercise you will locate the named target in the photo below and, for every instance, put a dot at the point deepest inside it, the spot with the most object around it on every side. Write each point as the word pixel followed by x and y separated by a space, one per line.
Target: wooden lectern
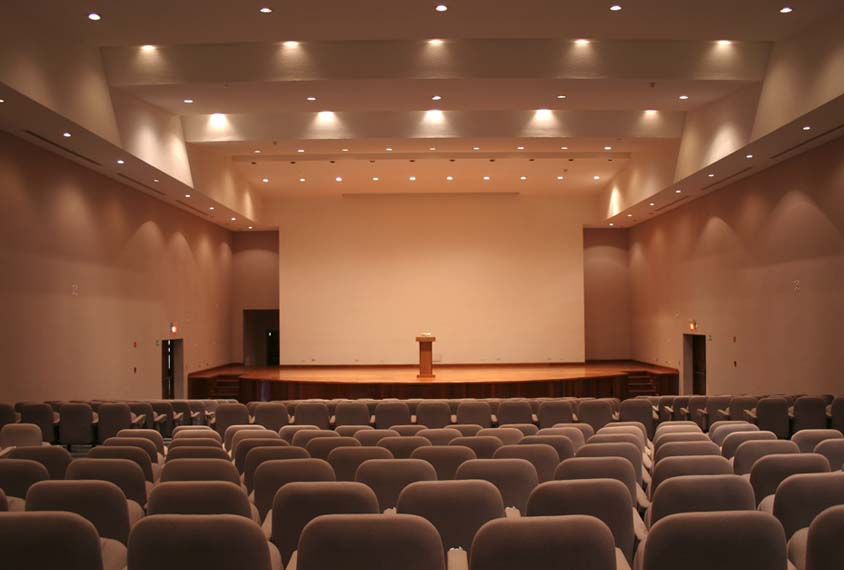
pixel 426 355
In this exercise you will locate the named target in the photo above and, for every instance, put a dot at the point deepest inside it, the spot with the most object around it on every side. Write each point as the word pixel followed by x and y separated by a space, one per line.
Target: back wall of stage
pixel 497 278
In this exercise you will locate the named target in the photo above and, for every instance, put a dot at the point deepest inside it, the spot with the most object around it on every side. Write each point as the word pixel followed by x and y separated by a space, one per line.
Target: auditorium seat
pixel 433 414
pixel 346 460
pixel 573 434
pixel 301 438
pixel 561 444
pixel 351 413
pixel 676 436
pixel 16 477
pixel 737 408
pixel 467 430
pixel 210 542
pixel 553 412
pixel 771 414
pixel 740 540
pixel 271 415
pixel 244 446
pixel 699 493
pixel 124 473
pixel 194 442
pixel 197 434
pixel 287 432
pixel 8 415
pixel 440 436
pixel 20 435
pixel 585 429
pixel 272 475
pixel 152 435
pixel 197 452
pixel 145 409
pixel 836 414
pixel 41 415
pixel 543 457
pixel 807 439
pixel 474 412
pixel 709 413
pixel 634 410
pixel 198 412
pixel 445 459
pixel 135 454
pixel 229 415
pixel 680 404
pixel 313 414
pixel 833 450
pixel 682 426
pixel 604 436
pixel 347 541
pixel 297 504
pixel 665 408
pixel 165 417
pixel 113 418
pixel 750 451
pixel 391 413
pixel 769 471
pixel 719 432
pixel 230 431
pixel 733 440
pixel 484 446
pixel 626 450
pixel 351 430
pixel 605 499
pixel 514 478
pixel 526 429
pixel 54 458
pixel 408 429
pixel 200 470
pixel 801 497
pixel 320 448
pixel 200 498
pixel 457 509
pixel 692 413
pixel 688 465
pixel 514 411
pixel 387 477
pixel 809 413
pixel 823 541
pixel 685 448
pixel 45 540
pixel 179 429
pixel 241 435
pixel 595 413
pixel 139 442
pixel 507 435
pixel 541 543
pixel 637 429
pixel 259 455
pixel 402 447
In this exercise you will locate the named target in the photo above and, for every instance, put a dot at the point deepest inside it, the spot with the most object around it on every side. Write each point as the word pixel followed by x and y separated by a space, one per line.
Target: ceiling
pixel 393 96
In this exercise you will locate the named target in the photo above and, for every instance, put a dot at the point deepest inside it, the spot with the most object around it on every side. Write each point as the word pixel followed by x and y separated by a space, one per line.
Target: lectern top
pixel 426 338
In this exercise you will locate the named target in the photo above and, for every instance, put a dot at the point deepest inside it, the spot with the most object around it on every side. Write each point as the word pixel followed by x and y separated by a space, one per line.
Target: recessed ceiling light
pixel 436 97
pixel 786 10
pixel 523 178
pixel 210 207
pixel 615 8
pixel 301 180
pixel 711 175
pixel 441 8
pixel 300 150
pixel 344 150
pixel 724 42
pixel 234 219
pixel 121 161
pixel 561 96
pixel 486 177
pixel 611 224
pixel 265 180
pixel 94 17
pixel 476 148
pixel 652 204
pixel 449 178
pixel 412 179
pixel 650 111
pixel 607 148
pixel 338 179
pixel 629 215
pixel 291 44
pixel 807 128
pixel 66 135
pixel 581 42
pixel 375 179
pixel 678 191
pixel 564 148
pixel 432 148
pixel 435 42
pixel 147 48
pixel 748 156
pixel 389 149
pixel 520 148
pixel 266 10
pixel 257 151
pixel 559 178
pixel 2 100
pixel 311 99
pixel 188 101
pixel 249 228
pixel 683 97
pixel 156 180
pixel 596 177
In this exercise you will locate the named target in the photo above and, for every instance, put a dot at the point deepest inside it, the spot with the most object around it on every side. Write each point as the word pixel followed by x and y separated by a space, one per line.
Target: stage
pixel 620 379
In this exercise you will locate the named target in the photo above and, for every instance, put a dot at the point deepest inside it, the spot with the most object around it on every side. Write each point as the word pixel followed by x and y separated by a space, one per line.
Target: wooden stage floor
pixel 504 380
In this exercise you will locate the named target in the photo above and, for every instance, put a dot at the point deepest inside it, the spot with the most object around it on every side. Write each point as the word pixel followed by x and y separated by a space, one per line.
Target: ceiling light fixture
pixel 711 175
pixel 187 195
pixel 121 161
pixel 188 101
pixel 523 178
pixel 786 10
pixel 436 98
pixel 596 177
pixel 564 148
pixel 650 112
pixel 807 128
pixel 412 179
pixel 156 180
pixel 2 100
pixel 486 177
pixel 560 178
pixel 748 156
pixel 300 150
pixel 66 135
pixel 441 8
pixel 338 179
pixel 375 179
pixel 581 42
pixel 561 96
pixel 211 208
pixel 147 48
pixel 311 99
pixel 449 178
pixel 266 10
pixel 435 42
pixel 520 148
pixel 629 215
pixel 678 191
pixel 249 228
pixel 615 8
pixel 724 42
pixel 611 224
pixel 683 97
pixel 94 17
pixel 476 148
pixel 265 180
pixel 301 180
pixel 233 219
pixel 432 148
pixel 257 151
pixel 651 204
pixel 389 149
pixel 607 148
pixel 290 44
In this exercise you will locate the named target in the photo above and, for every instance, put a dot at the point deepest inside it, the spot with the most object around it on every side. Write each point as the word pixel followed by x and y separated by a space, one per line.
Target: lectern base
pixel 426 377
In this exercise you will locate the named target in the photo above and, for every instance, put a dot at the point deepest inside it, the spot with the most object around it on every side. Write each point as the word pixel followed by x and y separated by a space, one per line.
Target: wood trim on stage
pixel 619 379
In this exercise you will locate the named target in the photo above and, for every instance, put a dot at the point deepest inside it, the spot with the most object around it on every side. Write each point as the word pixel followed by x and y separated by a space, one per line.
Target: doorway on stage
pixel 260 337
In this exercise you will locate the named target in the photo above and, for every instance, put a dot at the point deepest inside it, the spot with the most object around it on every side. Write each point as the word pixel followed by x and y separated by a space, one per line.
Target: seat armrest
pixel 457 559
pixel 6 451
pixel 615 416
pixel 291 564
pixel 158 418
pixel 639 527
pixel 642 499
pixel 512 513
pixel 670 409
pixel 177 417
pixel 723 414
pixel 751 415
pixel 621 560
pixel 139 420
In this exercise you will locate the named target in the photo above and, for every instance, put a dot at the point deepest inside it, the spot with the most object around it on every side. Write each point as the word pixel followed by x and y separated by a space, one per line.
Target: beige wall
pixel 606 278
pixel 495 278
pixel 254 280
pixel 93 272
pixel 761 262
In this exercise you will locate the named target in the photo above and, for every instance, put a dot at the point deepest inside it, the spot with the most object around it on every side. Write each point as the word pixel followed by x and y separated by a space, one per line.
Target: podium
pixel 426 356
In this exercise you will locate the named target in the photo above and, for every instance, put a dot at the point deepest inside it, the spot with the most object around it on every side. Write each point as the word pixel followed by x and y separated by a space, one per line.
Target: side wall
pixel 606 278
pixel 497 278
pixel 93 273
pixel 254 281
pixel 760 266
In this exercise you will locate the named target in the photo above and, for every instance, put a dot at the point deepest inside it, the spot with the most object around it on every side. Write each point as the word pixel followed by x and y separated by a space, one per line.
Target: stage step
pixel 640 385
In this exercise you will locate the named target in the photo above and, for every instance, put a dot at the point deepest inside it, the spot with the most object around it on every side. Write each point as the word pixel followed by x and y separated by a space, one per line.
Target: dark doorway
pixel 171 368
pixel 260 337
pixel 694 364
